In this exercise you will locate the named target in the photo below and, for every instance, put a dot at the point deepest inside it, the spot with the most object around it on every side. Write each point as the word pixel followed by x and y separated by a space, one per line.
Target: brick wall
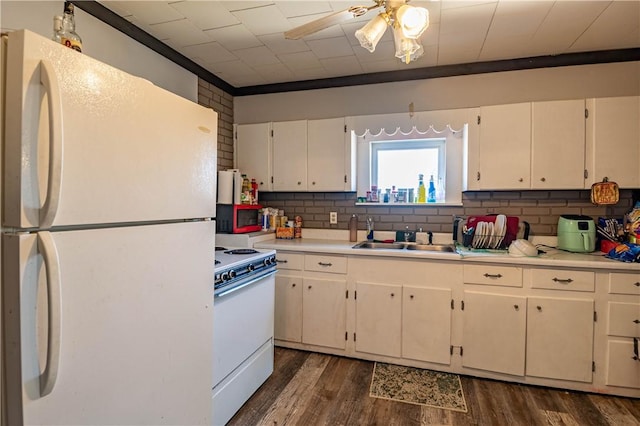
pixel 540 208
pixel 221 102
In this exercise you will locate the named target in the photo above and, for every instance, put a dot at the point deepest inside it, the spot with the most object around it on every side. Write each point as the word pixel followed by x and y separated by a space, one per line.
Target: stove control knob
pixel 267 261
pixel 250 268
pixel 225 276
pixel 232 274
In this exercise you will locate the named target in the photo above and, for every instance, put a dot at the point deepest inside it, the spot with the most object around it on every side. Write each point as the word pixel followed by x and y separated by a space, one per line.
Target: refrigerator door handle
pixel 47 248
pixel 54 103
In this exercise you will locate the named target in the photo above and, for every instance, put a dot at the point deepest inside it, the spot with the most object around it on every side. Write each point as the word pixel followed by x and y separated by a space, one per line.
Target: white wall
pixel 573 82
pixel 103 43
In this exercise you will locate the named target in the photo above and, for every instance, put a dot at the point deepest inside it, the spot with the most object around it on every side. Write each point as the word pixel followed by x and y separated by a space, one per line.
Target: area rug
pixel 417 386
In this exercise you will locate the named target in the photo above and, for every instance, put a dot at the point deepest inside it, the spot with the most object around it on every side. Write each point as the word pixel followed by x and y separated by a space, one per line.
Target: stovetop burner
pixel 242 251
pixel 217 262
pixel 220 248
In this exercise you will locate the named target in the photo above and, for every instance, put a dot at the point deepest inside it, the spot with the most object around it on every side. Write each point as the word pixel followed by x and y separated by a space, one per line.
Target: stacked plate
pixel 490 234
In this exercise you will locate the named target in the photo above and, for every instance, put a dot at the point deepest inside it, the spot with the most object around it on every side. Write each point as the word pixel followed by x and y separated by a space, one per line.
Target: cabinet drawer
pixel 322 263
pixel 620 283
pixel 509 276
pixel 622 369
pixel 624 319
pixel 293 261
pixel 554 279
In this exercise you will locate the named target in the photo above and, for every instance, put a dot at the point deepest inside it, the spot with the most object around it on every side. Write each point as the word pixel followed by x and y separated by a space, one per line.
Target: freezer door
pixel 89 144
pixel 110 326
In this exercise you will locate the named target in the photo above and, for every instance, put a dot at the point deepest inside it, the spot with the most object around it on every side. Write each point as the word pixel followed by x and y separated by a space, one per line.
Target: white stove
pixel 243 314
pixel 235 267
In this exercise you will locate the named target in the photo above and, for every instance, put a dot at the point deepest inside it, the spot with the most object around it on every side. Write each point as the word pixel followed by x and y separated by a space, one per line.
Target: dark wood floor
pixel 314 389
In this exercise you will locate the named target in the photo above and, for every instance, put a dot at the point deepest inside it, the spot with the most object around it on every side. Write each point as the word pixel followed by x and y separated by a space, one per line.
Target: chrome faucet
pixel 369 229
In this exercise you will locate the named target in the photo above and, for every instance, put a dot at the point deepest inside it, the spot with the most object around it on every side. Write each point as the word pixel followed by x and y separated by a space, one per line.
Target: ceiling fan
pixel 408 24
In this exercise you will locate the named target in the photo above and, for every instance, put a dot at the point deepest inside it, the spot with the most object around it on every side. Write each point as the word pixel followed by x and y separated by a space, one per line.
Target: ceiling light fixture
pixel 408 23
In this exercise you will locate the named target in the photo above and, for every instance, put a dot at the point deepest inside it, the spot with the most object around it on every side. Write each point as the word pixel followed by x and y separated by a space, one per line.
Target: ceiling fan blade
pixel 326 22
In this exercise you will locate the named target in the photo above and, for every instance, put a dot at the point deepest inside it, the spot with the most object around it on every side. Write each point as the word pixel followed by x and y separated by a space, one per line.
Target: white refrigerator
pixel 108 226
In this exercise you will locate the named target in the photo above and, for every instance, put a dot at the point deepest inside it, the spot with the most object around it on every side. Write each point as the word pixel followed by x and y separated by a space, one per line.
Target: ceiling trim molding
pixel 568 59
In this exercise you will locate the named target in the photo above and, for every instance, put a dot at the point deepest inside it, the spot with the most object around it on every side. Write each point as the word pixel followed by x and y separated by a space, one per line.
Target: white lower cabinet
pixel 311 306
pixel 324 312
pixel 426 324
pixel 494 330
pixel 378 318
pixel 560 338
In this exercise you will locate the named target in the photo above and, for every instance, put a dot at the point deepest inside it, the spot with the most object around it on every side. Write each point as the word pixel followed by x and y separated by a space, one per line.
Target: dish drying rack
pixel 490 232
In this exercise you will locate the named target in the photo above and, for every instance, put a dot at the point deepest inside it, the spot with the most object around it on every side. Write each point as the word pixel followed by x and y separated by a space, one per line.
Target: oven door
pixel 243 322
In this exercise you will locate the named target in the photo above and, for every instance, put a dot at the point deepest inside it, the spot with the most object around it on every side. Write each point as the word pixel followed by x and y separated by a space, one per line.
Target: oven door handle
pixel 243 285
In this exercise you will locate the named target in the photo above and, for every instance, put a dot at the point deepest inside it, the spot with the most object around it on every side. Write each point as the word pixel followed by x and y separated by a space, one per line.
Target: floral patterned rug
pixel 417 386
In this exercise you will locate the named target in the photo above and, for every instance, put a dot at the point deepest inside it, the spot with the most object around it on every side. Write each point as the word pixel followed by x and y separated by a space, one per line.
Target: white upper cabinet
pixel 290 155
pixel 558 144
pixel 327 155
pixel 613 141
pixel 505 147
pixel 253 152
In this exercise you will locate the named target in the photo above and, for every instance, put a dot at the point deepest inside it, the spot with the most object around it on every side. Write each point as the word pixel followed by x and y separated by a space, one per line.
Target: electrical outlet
pixel 333 218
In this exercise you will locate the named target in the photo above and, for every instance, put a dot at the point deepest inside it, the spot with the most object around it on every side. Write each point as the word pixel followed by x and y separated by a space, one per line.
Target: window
pixel 395 158
pixel 398 163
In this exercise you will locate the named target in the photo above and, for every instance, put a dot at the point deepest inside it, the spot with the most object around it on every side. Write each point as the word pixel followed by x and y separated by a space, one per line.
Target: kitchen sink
pixel 450 248
pixel 432 247
pixel 379 245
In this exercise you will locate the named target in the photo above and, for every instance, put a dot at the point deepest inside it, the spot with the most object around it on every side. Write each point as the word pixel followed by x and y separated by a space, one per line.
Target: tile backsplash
pixel 540 208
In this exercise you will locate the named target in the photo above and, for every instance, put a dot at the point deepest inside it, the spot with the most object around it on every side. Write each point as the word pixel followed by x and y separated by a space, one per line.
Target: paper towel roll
pixel 225 187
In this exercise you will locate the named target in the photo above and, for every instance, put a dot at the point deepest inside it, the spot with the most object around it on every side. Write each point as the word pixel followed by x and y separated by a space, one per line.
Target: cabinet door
pixel 493 332
pixel 324 312
pixel 622 368
pixel 560 338
pixel 327 149
pixel 613 140
pixel 253 152
pixel 426 324
pixel 558 144
pixel 290 156
pixel 505 147
pixel 378 318
pixel 288 308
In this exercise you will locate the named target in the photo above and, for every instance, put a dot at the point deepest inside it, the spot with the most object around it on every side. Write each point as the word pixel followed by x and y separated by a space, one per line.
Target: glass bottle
pixel 431 196
pixel 421 189
pixel 68 35
pixel 57 28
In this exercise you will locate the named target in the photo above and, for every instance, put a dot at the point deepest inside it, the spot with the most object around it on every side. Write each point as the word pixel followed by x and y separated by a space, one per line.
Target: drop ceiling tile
pixel 387 64
pixel 234 37
pixel 518 18
pixel 300 60
pixel 257 56
pixel 206 14
pixel 564 23
pixel 458 50
pixel 331 47
pixel 263 20
pixel 346 65
pixel 159 12
pixel 181 32
pixel 302 8
pixel 310 74
pixel 474 19
pixel 617 27
pixel 279 45
pixel 211 52
pixel 275 72
pixel 233 6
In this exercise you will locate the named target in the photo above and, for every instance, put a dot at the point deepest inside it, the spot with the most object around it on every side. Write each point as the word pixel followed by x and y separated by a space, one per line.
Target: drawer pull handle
pixel 309 287
pixel 282 261
pixel 324 264
pixel 392 294
pixel 516 307
pixel 637 321
pixel 539 308
pixel 637 284
pixel 293 285
pixel 493 275
pixel 635 356
pixel 411 296
pixel 561 281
